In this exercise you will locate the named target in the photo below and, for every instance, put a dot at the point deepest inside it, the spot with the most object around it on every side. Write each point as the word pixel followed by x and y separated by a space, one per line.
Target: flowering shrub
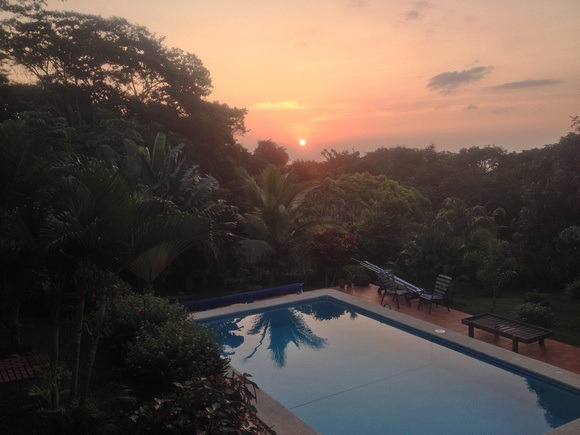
pixel 174 351
pixel 131 312
pixel 220 404
pixel 535 314
pixel 170 355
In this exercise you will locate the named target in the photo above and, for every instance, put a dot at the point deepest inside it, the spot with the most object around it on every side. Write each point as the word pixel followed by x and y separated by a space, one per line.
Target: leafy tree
pixel 269 152
pixel 340 162
pixel 98 230
pixel 575 123
pixel 442 245
pixel 567 250
pixel 380 212
pixel 550 192
pixel 456 218
pixel 432 252
pixel 493 262
pixel 100 60
pixel 82 66
pixel 332 250
pixel 27 147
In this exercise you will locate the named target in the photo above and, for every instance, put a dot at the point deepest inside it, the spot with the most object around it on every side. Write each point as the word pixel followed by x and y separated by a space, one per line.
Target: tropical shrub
pixel 535 314
pixel 130 312
pixel 331 250
pixel 168 354
pixel 536 297
pixel 573 289
pixel 174 351
pixel 356 271
pixel 55 413
pixel 220 404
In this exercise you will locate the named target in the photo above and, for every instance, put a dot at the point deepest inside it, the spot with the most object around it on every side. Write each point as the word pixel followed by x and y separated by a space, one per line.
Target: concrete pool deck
pixel 431 326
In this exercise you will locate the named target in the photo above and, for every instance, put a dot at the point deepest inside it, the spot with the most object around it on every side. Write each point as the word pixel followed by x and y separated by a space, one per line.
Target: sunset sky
pixel 362 74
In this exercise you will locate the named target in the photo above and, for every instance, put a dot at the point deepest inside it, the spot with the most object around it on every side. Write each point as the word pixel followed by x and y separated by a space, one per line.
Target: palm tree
pixel 24 156
pixel 160 238
pixel 276 226
pixel 101 230
pixel 91 220
pixel 162 172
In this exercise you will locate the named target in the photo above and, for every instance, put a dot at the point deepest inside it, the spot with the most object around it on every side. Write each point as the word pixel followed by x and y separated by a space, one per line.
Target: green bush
pixel 536 297
pixel 355 271
pixel 535 314
pixel 220 404
pixel 573 289
pixel 175 351
pixel 130 312
pixel 168 354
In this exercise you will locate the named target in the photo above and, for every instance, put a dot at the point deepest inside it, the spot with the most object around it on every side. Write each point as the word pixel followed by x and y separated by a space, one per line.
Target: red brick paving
pixel 18 367
pixel 552 352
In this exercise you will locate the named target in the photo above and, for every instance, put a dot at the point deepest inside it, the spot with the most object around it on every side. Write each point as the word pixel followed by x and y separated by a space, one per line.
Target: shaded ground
pixel 36 337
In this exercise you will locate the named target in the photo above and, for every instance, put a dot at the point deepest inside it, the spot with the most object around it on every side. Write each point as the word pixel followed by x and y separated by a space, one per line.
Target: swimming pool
pixel 345 368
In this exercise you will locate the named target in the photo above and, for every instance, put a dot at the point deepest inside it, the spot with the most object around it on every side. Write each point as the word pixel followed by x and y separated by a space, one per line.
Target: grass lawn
pixel 567 311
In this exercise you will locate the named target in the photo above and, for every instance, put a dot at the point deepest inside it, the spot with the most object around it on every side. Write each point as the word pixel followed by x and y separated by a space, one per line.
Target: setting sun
pixel 302 142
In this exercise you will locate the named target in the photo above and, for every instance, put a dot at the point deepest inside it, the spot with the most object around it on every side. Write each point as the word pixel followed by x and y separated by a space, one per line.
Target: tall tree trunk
pixel 54 348
pixel 78 329
pixel 54 353
pixel 93 352
pixel 11 301
pixel 15 326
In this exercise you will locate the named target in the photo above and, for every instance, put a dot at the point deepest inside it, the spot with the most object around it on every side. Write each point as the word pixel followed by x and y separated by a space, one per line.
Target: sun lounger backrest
pixel 442 284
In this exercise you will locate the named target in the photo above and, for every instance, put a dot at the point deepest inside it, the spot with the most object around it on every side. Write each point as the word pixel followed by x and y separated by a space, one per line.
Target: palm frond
pixel 158 154
pixel 257 249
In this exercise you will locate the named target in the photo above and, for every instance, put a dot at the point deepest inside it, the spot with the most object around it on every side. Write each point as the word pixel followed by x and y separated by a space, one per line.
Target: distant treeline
pixel 77 89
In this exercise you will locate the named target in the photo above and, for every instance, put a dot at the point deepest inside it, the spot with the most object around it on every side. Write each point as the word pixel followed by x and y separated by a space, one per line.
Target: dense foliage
pixel 117 173
pixel 534 314
pixel 178 361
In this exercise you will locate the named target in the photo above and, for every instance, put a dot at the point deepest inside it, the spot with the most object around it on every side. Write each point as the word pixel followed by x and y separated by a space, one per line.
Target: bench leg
pixel 515 345
pixel 471 331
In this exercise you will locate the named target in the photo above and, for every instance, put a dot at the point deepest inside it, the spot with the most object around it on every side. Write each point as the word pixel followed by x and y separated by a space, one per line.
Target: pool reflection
pixel 340 368
pixel 280 328
pixel 283 327
pixel 560 406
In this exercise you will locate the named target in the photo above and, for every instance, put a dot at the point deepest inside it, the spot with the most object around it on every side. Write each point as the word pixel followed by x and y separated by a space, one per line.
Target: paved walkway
pixel 19 367
pixel 552 352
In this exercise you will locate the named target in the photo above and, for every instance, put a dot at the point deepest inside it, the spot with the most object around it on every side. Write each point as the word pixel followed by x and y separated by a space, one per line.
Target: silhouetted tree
pixel 269 152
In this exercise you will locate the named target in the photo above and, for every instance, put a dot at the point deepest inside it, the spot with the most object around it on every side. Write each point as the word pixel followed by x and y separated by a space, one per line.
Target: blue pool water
pixel 342 371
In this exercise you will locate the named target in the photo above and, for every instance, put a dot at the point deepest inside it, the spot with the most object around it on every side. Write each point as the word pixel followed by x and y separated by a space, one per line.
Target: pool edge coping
pixel 454 339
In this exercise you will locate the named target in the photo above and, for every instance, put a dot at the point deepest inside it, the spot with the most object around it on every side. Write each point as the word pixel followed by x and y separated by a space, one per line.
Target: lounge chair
pixel 437 296
pixel 392 287
pixel 388 283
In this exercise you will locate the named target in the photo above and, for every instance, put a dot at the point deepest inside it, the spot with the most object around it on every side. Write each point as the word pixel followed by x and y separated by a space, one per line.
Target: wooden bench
pixel 517 331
